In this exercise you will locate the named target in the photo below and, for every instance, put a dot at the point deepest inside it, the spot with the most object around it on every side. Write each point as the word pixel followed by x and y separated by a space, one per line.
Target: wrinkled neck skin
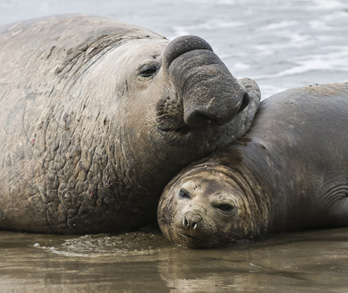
pixel 255 218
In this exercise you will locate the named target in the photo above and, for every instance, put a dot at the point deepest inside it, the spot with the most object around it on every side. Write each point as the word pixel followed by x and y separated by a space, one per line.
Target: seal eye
pixel 184 193
pixel 225 207
pixel 148 70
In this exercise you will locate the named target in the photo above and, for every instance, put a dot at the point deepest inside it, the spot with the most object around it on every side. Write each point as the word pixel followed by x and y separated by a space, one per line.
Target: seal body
pixel 289 172
pixel 95 116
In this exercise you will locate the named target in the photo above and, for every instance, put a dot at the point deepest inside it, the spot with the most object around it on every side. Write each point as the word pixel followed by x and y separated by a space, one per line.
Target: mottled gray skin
pixel 289 172
pixel 96 117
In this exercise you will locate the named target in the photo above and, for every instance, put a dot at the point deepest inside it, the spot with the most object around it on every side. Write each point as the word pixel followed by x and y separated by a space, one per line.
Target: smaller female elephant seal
pixel 289 172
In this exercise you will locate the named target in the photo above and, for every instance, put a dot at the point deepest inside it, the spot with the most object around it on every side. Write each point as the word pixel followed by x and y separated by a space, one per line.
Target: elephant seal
pixel 289 172
pixel 96 116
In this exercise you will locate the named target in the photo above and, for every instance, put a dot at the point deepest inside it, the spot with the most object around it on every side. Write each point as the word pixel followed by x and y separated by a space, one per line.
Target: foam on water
pixel 327 5
pixel 207 26
pixel 277 25
pixel 329 62
pixel 92 246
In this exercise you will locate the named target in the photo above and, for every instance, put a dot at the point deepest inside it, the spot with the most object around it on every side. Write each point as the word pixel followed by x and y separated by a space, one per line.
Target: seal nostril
pixel 186 223
pixel 194 226
pixel 197 119
pixel 245 102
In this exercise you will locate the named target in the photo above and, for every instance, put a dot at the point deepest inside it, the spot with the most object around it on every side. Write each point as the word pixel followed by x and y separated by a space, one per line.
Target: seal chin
pixel 188 240
pixel 191 239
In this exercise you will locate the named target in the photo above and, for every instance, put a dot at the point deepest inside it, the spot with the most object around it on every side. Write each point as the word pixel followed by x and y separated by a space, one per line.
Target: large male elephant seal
pixel 96 116
pixel 289 172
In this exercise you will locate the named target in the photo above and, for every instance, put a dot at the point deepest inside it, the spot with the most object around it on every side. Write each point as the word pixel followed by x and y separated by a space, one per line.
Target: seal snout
pixel 208 92
pixel 191 220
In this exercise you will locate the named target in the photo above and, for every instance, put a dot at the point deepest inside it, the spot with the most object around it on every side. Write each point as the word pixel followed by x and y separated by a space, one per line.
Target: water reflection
pixel 303 262
pixel 314 261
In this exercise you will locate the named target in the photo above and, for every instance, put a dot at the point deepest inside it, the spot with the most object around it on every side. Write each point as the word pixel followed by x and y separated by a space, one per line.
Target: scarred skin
pixel 289 172
pixel 96 116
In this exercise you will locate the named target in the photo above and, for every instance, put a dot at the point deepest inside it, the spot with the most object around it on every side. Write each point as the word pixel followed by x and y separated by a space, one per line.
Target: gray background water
pixel 280 44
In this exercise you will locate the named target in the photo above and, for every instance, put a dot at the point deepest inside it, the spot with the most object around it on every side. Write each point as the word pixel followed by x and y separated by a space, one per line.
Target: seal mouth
pixel 184 129
pixel 170 121
pixel 180 129
pixel 189 236
pixel 173 125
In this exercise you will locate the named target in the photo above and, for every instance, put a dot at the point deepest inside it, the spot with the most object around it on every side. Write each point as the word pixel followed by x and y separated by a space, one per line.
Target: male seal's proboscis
pixel 96 117
pixel 289 172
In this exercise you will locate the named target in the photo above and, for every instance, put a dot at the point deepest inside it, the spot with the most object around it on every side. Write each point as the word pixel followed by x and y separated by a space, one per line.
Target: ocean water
pixel 281 45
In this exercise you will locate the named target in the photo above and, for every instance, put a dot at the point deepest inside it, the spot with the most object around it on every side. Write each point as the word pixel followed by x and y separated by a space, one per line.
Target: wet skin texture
pixel 96 117
pixel 289 172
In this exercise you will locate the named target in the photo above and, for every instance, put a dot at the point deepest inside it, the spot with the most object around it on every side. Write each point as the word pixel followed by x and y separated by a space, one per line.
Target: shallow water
pixel 280 44
pixel 315 261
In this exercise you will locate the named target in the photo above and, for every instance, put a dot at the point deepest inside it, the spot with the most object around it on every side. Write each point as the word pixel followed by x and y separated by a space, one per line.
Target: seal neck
pixel 257 204
pixel 268 175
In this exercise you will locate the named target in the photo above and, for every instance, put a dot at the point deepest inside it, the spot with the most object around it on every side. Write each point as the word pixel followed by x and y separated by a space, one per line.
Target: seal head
pixel 206 208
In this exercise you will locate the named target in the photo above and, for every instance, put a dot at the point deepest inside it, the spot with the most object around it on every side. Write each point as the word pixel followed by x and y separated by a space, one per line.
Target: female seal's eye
pixel 225 207
pixel 183 193
pixel 148 70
